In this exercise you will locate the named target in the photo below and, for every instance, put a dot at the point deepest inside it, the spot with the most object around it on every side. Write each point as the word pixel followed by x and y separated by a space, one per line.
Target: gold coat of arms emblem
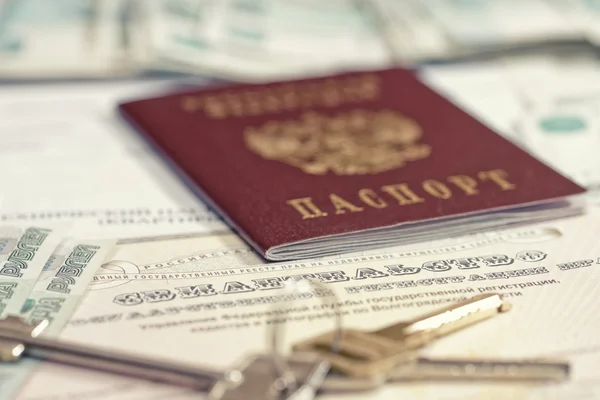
pixel 356 142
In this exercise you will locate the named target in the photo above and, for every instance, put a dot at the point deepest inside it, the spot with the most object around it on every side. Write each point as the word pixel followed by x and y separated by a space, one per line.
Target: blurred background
pixel 528 68
pixel 259 40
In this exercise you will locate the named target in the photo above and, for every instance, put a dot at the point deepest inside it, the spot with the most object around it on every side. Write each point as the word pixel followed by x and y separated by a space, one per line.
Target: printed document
pixel 193 299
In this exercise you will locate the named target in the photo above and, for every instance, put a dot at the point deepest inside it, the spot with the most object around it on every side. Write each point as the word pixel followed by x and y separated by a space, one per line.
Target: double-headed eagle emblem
pixel 356 142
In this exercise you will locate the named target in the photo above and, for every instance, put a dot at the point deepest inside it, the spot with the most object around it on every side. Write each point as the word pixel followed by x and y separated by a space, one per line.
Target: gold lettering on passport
pixel 370 198
pixel 284 97
pixel 498 176
pixel 465 183
pixel 342 205
pixel 403 194
pixel 306 208
pixel 437 189
pixel 355 142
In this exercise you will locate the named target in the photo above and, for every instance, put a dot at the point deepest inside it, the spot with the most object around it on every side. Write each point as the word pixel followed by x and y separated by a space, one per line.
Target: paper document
pixel 86 167
pixel 191 300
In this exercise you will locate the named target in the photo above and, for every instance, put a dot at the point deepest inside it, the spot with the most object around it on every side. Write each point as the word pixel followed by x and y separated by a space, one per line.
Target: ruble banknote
pixel 265 39
pixel 261 40
pixel 488 23
pixel 234 39
pixel 55 296
pixel 57 39
pixel 566 137
pixel 23 254
pixel 584 15
pixel 63 282
pixel 431 30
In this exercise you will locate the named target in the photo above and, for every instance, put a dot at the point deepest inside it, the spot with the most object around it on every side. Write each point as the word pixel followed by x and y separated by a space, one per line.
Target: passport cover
pixel 298 162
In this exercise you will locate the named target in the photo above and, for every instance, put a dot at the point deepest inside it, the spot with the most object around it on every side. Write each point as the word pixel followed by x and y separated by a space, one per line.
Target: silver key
pixel 253 379
pixel 261 380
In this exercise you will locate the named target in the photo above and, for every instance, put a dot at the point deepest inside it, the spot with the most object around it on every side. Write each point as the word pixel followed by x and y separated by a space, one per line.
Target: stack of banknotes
pixel 234 39
pixel 43 276
pixel 261 40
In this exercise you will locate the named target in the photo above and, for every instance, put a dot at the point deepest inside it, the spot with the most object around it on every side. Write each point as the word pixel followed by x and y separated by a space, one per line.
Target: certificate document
pixel 211 300
pixel 79 165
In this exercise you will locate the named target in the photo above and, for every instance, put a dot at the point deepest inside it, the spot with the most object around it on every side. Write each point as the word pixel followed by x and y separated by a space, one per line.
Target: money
pixel 63 282
pixel 423 30
pixel 23 253
pixel 261 40
pixel 250 40
pixel 68 38
pixel 567 137
pixel 583 14
pixel 235 39
pixel 486 23
pixel 55 296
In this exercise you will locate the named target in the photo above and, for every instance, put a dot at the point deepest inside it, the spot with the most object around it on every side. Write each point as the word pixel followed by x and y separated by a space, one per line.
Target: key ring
pixel 286 380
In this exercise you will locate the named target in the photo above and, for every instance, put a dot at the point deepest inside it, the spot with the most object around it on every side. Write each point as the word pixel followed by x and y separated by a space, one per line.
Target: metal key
pixel 428 369
pixel 253 379
pixel 423 368
pixel 369 354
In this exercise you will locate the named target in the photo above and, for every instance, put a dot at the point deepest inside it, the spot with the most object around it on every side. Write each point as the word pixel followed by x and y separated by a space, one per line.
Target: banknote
pixel 422 30
pixel 258 40
pixel 23 254
pixel 64 38
pixel 63 282
pixel 55 296
pixel 191 312
pixel 583 14
pixel 485 23
pixel 566 135
pixel 252 40
pixel 230 38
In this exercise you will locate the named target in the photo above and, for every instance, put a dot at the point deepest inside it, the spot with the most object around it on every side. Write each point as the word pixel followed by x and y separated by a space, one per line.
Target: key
pixel 423 368
pixel 261 382
pixel 368 354
pixel 454 369
pixel 253 379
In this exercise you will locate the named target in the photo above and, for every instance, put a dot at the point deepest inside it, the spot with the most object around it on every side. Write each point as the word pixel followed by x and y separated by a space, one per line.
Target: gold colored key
pixel 367 354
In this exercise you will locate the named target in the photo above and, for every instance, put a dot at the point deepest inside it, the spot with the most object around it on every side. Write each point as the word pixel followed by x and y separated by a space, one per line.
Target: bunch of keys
pixel 391 353
pixel 344 360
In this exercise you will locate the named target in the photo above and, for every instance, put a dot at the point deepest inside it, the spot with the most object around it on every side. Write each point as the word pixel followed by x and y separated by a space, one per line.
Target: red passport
pixel 349 162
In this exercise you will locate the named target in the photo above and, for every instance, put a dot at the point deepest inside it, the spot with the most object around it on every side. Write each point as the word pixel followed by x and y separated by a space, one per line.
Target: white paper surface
pixel 68 156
